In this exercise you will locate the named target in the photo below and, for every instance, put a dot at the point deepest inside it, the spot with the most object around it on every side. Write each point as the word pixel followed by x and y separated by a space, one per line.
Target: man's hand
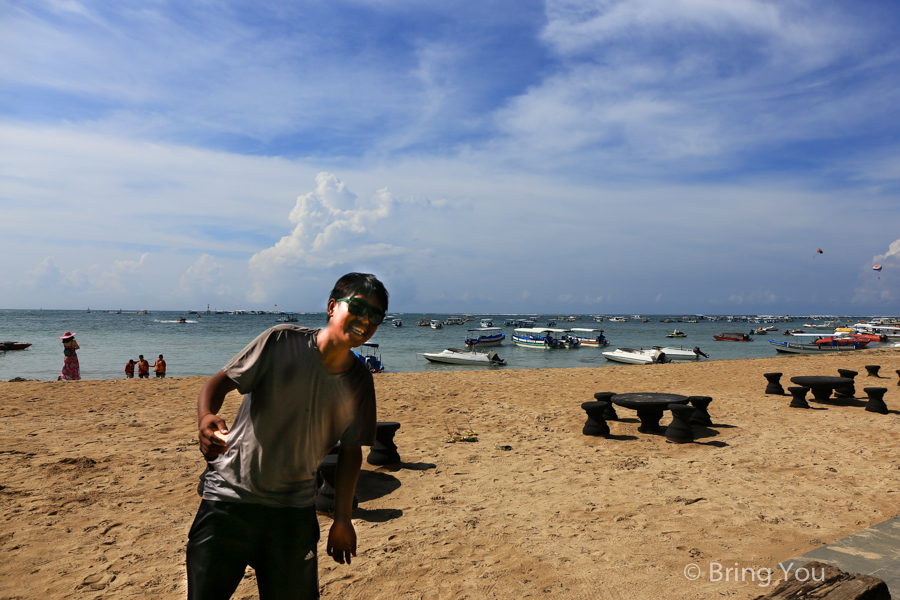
pixel 211 445
pixel 341 541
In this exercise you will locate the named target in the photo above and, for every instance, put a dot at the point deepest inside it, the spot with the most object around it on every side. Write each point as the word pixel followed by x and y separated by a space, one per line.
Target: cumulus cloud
pixel 893 250
pixel 205 275
pixel 332 227
pixel 49 276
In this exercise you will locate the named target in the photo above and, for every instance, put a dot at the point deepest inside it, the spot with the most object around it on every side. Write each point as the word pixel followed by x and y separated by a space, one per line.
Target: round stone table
pixel 822 385
pixel 649 406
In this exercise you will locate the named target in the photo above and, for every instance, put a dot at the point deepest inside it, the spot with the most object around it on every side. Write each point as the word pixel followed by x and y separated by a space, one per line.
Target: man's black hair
pixel 360 284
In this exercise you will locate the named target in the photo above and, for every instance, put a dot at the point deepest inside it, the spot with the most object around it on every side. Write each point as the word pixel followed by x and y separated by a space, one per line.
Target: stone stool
pixel 898 373
pixel 799 394
pixel 872 370
pixel 596 423
pixel 325 478
pixel 774 385
pixel 679 430
pixel 846 392
pixel 876 400
pixel 609 414
pixel 384 450
pixel 701 416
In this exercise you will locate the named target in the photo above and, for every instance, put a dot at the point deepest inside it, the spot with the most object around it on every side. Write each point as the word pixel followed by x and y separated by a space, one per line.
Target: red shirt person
pixel 129 369
pixel 143 367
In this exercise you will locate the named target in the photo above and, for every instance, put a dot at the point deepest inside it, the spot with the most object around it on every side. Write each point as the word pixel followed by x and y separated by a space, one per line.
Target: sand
pixel 98 478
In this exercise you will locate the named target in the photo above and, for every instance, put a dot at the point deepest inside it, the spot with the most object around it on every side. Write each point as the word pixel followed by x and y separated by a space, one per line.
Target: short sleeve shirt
pixel 293 413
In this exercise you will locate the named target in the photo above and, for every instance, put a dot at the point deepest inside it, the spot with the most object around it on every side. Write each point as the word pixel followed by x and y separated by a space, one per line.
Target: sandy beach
pixel 98 484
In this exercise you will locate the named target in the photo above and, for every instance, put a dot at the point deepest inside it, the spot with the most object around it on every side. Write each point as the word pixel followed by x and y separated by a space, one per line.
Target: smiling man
pixel 304 390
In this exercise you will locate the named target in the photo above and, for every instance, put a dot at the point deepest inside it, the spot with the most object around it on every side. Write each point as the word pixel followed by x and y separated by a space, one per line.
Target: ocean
pixel 203 344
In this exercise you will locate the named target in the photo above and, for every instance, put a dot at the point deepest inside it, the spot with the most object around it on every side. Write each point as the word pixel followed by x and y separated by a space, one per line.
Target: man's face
pixel 356 329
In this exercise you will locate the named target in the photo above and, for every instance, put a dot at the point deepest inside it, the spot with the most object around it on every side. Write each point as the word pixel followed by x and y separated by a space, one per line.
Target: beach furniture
pixel 609 414
pixel 774 384
pixel 798 399
pixel 679 430
pixel 822 385
pixel 595 424
pixel 701 416
pixel 384 450
pixel 325 478
pixel 849 391
pixel 872 370
pixel 649 406
pixel 898 373
pixel 876 400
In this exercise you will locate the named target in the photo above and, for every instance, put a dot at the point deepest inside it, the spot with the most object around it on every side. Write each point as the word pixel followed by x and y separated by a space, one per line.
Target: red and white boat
pixel 732 337
pixel 13 345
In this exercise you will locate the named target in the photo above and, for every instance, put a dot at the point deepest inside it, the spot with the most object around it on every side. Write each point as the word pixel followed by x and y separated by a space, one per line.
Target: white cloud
pixel 206 276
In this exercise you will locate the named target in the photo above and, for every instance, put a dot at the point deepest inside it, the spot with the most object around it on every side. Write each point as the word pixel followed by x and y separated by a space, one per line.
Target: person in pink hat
pixel 71 370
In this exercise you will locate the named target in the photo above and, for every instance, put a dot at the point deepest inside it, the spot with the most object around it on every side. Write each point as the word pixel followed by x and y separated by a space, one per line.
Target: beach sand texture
pixel 98 484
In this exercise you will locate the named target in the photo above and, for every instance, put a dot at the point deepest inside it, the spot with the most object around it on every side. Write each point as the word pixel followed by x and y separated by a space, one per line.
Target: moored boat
pixel 397 323
pixel 487 323
pixel 485 336
pixel 681 353
pixel 732 337
pixel 677 334
pixel 795 348
pixel 454 356
pixel 540 337
pixel 589 337
pixel 371 357
pixel 14 345
pixel 436 324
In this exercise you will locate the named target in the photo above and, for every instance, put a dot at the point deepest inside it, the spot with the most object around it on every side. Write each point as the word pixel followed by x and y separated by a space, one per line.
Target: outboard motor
pixel 699 352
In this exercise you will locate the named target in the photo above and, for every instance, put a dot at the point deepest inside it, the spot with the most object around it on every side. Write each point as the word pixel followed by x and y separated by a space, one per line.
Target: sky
pixel 564 156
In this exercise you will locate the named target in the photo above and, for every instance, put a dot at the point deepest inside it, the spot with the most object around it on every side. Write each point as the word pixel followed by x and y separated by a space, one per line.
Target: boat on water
pixel 423 322
pixel 144 311
pixel 485 336
pixel 287 317
pixel 454 356
pixel 677 334
pixel 371 357
pixel 435 324
pixel 14 345
pixel 544 337
pixel 589 337
pixel 732 337
pixel 182 320
pixel 673 354
pixel 796 348
pixel 454 321
pixel 397 323
pixel 630 356
pixel 487 323
pixel 827 325
pixel 767 329
pixel 618 320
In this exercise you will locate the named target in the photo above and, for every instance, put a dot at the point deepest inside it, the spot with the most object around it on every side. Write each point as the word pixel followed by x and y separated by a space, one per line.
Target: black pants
pixel 279 543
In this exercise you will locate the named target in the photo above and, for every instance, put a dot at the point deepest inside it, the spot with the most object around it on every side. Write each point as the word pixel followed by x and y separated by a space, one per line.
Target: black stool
pixel 596 423
pixel 384 450
pixel 679 430
pixel 898 373
pixel 701 416
pixel 799 397
pixel 609 414
pixel 876 400
pixel 774 385
pixel 848 391
pixel 873 370
pixel 325 478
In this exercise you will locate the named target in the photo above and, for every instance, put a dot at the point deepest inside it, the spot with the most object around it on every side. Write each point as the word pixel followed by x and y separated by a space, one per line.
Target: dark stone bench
pixel 701 416
pixel 799 397
pixel 872 370
pixel 679 430
pixel 847 392
pixel 596 423
pixel 876 400
pixel 384 450
pixel 774 384
pixel 609 414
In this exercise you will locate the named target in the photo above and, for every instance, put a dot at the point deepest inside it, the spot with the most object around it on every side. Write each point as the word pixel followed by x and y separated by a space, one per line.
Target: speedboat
pixel 371 357
pixel 680 353
pixel 677 334
pixel 630 356
pixel 454 356
pixel 397 323
pixel 455 321
pixel 287 317
pixel 14 345
pixel 544 337
pixel 435 324
pixel 485 336
pixel 487 323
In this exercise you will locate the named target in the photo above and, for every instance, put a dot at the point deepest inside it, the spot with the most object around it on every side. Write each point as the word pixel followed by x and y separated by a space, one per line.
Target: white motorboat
pixel 454 356
pixel 676 334
pixel 630 356
pixel 487 323
pixel 673 354
pixel 435 324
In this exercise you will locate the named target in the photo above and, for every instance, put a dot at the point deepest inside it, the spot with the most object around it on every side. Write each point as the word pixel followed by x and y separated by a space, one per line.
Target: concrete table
pixel 822 385
pixel 649 406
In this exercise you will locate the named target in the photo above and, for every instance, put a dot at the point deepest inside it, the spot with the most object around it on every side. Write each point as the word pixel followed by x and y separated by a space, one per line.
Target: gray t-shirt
pixel 292 415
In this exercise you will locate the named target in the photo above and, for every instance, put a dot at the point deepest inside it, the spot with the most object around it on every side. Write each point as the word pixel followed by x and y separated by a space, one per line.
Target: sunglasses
pixel 360 308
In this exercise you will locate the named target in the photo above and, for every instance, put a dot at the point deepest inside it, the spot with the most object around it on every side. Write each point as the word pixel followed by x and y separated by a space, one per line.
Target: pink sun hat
pixel 67 335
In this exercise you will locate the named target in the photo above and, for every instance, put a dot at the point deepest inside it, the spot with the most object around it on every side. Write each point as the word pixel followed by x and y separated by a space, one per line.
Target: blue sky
pixel 639 156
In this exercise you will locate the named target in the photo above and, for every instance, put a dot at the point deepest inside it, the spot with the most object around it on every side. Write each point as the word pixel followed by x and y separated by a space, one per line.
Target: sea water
pixel 204 343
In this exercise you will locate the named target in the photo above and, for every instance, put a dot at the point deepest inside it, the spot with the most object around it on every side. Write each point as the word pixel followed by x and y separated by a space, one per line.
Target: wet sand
pixel 98 485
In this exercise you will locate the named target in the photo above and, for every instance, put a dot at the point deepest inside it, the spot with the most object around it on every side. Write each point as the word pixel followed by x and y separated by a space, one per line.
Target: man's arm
pixel 210 400
pixel 342 537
